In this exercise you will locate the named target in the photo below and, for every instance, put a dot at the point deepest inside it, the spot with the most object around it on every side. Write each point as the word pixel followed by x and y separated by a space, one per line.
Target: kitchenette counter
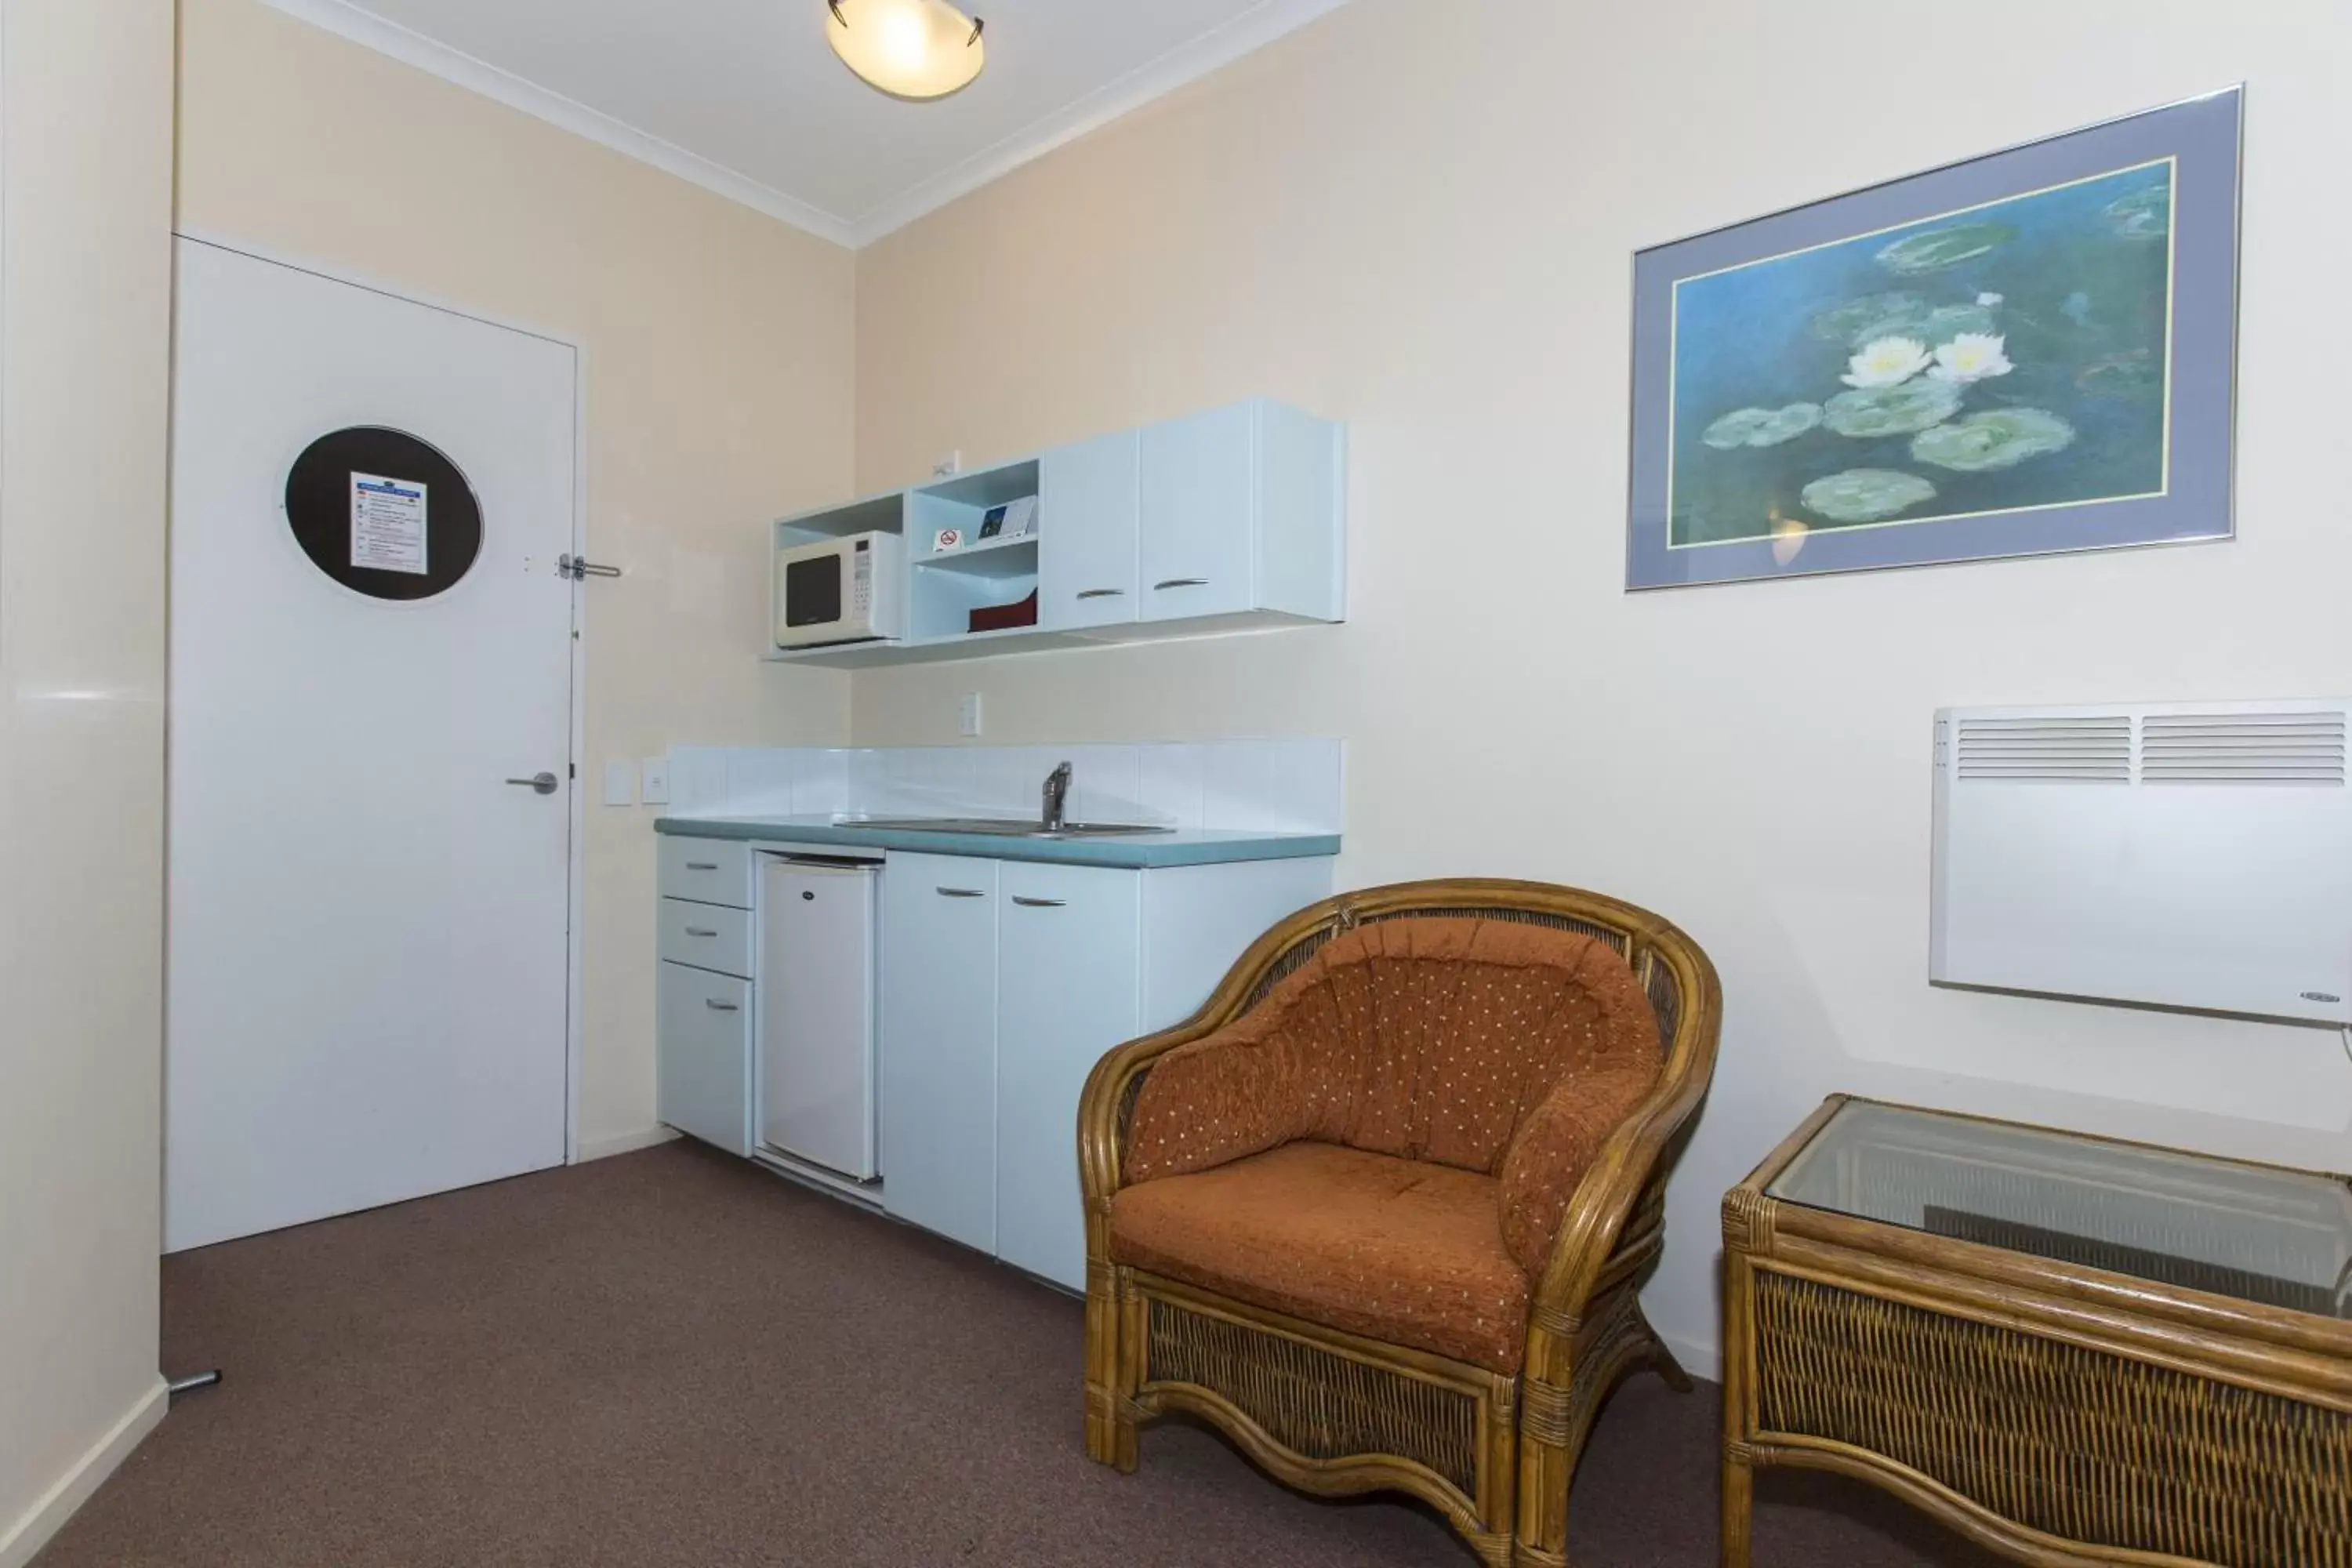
pixel 1194 847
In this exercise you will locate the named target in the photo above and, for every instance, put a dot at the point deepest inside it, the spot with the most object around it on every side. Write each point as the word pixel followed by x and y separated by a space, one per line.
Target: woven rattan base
pixel 2055 1412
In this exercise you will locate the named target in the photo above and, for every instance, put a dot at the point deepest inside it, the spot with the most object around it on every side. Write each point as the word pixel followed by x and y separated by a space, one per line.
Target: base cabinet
pixel 938 1044
pixel 1069 986
pixel 1004 982
pixel 703 1030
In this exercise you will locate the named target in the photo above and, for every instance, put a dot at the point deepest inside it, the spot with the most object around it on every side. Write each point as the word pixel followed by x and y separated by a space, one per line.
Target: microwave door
pixel 813 592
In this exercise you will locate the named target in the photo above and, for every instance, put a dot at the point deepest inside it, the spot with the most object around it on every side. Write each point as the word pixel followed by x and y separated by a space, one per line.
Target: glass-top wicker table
pixel 2072 1350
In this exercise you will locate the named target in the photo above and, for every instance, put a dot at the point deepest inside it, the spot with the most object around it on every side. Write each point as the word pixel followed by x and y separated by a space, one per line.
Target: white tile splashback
pixel 1269 786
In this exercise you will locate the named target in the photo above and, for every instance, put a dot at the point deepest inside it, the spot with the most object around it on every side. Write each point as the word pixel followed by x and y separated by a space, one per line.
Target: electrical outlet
pixel 620 782
pixel 967 714
pixel 949 466
pixel 655 788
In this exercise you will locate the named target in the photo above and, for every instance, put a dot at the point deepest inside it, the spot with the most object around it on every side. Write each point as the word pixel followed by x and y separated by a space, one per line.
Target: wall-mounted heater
pixel 2180 854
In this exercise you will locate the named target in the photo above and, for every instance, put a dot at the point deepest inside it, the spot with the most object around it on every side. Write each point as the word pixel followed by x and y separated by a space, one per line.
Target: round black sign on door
pixel 383 513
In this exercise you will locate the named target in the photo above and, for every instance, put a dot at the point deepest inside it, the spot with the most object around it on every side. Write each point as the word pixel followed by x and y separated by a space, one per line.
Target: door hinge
pixel 577 567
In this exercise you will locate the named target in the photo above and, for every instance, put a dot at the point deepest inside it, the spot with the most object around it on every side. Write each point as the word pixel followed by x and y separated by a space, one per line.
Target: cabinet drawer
pixel 708 870
pixel 708 936
pixel 703 1056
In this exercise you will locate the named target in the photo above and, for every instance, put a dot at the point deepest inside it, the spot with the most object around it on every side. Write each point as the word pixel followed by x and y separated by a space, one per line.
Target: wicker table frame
pixel 1334 1413
pixel 2054 1413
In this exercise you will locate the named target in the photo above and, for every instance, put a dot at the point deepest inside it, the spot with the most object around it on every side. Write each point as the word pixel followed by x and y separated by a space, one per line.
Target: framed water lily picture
pixel 2027 352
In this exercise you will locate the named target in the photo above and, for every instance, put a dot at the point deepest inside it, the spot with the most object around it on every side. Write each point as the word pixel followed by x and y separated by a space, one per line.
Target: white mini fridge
pixel 816 1013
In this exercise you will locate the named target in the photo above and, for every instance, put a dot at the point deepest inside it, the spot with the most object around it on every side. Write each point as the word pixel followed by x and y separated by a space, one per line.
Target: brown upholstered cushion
pixel 1489 1045
pixel 1398 1250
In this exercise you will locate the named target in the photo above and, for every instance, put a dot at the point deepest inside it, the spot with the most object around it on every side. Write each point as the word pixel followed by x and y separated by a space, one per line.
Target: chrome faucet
pixel 1057 790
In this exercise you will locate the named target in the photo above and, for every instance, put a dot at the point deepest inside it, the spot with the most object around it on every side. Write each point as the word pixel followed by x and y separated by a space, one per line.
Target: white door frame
pixel 575 893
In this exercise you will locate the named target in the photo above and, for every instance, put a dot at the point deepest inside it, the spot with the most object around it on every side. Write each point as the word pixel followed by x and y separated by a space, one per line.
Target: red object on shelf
pixel 1004 618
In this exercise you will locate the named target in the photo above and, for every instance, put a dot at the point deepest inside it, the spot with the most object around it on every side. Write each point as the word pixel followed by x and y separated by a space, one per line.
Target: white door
pixel 367 943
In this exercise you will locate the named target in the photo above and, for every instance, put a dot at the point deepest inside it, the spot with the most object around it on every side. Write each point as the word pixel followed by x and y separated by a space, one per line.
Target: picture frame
pixel 2024 353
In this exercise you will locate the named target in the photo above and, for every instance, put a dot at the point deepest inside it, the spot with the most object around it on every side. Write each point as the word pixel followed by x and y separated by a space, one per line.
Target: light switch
pixel 620 782
pixel 655 789
pixel 967 713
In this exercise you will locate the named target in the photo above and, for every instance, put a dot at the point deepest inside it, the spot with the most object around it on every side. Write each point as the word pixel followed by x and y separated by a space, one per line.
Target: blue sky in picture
pixel 2010 356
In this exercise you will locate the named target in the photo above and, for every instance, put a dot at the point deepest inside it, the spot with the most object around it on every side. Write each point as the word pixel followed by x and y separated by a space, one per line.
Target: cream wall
pixel 1422 220
pixel 718 346
pixel 85 313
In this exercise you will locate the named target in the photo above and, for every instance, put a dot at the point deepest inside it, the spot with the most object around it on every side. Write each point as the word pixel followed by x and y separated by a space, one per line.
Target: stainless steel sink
pixel 1000 827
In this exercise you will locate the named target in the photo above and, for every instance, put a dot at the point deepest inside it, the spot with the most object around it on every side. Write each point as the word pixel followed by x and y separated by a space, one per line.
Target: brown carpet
pixel 672 1358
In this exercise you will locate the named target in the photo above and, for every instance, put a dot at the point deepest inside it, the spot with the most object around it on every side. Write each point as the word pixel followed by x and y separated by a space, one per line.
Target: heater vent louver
pixel 2243 748
pixel 2072 749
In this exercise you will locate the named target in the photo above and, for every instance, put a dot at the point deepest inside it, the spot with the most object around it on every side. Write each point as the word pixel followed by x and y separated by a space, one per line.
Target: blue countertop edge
pixel 1201 848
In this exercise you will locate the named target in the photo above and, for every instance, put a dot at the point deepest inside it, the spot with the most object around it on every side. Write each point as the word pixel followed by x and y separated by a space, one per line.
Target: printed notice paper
pixel 387 524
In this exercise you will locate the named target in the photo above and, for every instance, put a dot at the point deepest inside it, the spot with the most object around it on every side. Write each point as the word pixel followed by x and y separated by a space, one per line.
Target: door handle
pixel 1181 583
pixel 719 1006
pixel 542 784
pixel 1039 903
pixel 962 893
pixel 1104 592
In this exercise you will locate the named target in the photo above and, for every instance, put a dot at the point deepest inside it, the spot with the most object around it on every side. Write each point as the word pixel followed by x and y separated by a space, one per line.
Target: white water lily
pixel 1972 356
pixel 1887 361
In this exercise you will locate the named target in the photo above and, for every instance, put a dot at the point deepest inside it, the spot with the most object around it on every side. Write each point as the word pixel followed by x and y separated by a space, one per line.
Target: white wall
pixel 1420 219
pixel 718 366
pixel 85 303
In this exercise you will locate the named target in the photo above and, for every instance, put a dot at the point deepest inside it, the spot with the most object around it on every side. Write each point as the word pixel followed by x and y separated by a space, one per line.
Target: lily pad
pixel 1872 410
pixel 2143 215
pixel 1997 438
pixel 1948 322
pixel 1761 426
pixel 2132 375
pixel 1865 495
pixel 1941 247
pixel 1872 316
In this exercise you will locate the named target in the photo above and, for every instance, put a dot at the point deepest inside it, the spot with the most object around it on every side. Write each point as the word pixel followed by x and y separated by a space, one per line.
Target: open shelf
pixel 989 558
pixel 875 514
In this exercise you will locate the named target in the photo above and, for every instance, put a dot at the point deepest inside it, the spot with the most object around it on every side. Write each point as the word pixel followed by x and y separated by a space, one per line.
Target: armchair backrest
pixel 1672 975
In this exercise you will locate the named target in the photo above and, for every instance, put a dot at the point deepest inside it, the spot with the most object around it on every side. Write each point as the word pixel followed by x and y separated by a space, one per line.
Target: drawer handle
pixel 962 893
pixel 1181 583
pixel 718 1006
pixel 698 931
pixel 1039 903
pixel 702 865
pixel 1102 593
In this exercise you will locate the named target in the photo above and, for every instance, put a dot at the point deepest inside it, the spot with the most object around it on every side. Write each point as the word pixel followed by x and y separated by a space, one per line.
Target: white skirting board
pixel 29 1534
pixel 617 1143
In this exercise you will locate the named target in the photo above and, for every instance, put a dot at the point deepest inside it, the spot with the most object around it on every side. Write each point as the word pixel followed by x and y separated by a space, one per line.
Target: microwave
pixel 851 589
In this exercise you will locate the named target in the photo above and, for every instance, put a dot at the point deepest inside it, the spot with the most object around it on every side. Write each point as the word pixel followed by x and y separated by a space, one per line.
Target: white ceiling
pixel 745 97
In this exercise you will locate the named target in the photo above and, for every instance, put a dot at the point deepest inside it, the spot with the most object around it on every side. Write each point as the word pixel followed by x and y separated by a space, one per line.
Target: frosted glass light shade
pixel 909 49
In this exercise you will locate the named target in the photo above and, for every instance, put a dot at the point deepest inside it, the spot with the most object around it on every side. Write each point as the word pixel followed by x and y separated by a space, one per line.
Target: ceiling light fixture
pixel 908 48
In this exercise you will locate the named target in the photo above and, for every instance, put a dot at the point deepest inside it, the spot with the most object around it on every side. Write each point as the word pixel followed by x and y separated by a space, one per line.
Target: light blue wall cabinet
pixel 939 1044
pixel 1240 511
pixel 1069 985
pixel 1227 521
pixel 1086 562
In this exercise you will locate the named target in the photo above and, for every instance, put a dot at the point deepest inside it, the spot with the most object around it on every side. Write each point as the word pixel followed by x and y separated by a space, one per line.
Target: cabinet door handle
pixel 1180 582
pixel 962 893
pixel 698 931
pixel 1039 903
pixel 1104 592
pixel 718 1006
pixel 702 865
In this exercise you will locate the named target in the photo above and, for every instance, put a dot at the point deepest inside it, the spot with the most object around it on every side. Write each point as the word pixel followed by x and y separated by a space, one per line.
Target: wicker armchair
pixel 1490 1433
